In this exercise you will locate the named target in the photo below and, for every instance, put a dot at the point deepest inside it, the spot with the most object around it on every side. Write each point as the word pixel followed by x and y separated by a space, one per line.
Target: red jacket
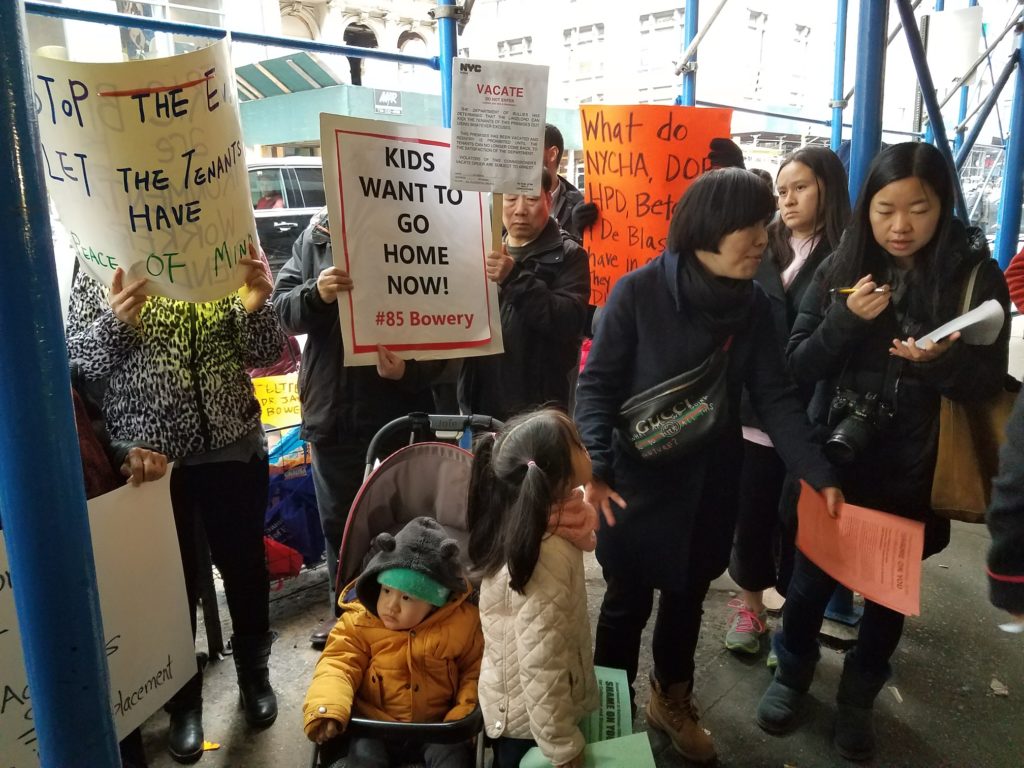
pixel 1015 280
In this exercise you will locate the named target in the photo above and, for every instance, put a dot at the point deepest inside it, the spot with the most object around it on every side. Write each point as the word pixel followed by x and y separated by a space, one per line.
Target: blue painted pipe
pixel 931 102
pixel 986 109
pixel 42 496
pixel 866 136
pixel 447 33
pixel 838 74
pixel 690 14
pixel 1013 171
pixel 201 30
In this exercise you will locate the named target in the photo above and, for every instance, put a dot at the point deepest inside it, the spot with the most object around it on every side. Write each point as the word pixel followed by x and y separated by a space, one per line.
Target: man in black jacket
pixel 543 278
pixel 564 196
pixel 342 408
pixel 1005 520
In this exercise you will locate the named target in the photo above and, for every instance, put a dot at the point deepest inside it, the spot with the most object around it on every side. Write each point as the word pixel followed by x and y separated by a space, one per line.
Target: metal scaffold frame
pixel 44 549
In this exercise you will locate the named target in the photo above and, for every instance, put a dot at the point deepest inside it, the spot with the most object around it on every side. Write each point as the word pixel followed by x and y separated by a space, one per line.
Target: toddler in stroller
pixel 406 649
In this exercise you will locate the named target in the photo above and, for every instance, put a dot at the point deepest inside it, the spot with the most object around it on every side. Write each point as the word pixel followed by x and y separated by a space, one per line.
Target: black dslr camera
pixel 855 420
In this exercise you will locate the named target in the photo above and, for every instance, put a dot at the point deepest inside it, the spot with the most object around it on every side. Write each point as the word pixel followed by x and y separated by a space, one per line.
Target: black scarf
pixel 721 303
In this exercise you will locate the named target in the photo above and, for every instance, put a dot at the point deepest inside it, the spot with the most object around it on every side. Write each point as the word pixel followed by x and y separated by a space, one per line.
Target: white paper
pixel 415 247
pixel 1013 627
pixel 150 651
pixel 980 326
pixel 954 43
pixel 498 114
pixel 145 164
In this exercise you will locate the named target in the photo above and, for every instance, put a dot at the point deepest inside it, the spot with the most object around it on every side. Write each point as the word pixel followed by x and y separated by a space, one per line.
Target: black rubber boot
pixel 858 688
pixel 252 654
pixel 779 708
pixel 185 735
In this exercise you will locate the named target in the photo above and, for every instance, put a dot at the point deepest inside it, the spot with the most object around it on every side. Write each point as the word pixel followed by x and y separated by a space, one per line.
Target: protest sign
pixel 875 553
pixel 498 115
pixel 145 165
pixel 639 161
pixel 149 645
pixel 279 399
pixel 414 247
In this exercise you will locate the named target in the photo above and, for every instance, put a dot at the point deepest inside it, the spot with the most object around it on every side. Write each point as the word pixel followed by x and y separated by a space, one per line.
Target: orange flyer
pixel 871 552
pixel 639 160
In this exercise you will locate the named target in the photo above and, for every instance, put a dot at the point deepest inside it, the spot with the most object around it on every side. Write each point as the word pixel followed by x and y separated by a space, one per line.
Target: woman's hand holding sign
pixel 331 282
pixel 258 285
pixel 126 301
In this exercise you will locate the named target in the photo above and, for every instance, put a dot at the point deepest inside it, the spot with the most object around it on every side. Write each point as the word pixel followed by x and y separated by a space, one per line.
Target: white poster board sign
pixel 414 247
pixel 498 115
pixel 150 651
pixel 954 44
pixel 145 164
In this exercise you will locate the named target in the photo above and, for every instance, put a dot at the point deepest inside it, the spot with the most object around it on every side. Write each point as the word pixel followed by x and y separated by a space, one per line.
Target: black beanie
pixel 423 546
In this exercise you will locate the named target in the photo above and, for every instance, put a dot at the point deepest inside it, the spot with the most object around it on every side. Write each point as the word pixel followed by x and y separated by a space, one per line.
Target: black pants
pixel 624 613
pixel 509 752
pixel 377 753
pixel 229 499
pixel 809 593
pixel 763 545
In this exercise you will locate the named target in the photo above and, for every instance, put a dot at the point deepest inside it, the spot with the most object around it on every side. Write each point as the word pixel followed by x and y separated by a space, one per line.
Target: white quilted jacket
pixel 537 676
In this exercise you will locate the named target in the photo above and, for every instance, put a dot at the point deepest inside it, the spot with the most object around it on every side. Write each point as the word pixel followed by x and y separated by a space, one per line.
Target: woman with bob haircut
pixel 672 523
pixel 876 402
pixel 814 208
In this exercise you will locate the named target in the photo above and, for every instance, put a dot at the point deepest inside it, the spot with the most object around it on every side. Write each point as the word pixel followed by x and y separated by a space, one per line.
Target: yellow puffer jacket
pixel 427 674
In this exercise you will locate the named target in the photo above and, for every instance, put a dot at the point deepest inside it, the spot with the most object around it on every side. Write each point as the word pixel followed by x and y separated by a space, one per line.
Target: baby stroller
pixel 429 478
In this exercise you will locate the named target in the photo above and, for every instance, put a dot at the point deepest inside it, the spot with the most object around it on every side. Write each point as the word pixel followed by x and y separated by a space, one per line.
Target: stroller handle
pixel 428 422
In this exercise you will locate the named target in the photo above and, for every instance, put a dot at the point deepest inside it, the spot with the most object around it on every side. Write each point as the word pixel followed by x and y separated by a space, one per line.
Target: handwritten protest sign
pixel 415 247
pixel 498 114
pixel 144 162
pixel 639 161
pixel 149 646
pixel 279 399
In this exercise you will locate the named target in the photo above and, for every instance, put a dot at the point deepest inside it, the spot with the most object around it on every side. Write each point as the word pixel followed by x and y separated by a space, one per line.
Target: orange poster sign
pixel 639 161
pixel 874 553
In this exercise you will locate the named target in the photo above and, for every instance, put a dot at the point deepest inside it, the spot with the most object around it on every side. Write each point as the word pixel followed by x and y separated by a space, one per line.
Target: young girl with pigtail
pixel 528 525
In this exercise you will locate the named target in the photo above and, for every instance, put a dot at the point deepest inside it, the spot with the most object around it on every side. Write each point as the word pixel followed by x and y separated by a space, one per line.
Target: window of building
pixel 799 62
pixel 517 47
pixel 661 39
pixel 585 54
pixel 413 44
pixel 754 52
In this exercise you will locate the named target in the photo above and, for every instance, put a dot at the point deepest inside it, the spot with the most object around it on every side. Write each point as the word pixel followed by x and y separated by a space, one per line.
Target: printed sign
pixel 414 246
pixel 387 102
pixel 150 653
pixel 145 164
pixel 639 161
pixel 498 114
pixel 279 399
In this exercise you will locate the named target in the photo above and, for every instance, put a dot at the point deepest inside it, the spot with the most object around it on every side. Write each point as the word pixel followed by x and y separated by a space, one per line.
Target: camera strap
pixel 889 391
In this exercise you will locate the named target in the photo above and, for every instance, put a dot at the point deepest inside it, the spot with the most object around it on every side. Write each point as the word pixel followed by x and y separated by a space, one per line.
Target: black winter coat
pixel 679 522
pixel 785 305
pixel 1005 519
pixel 339 404
pixel 894 473
pixel 568 198
pixel 543 311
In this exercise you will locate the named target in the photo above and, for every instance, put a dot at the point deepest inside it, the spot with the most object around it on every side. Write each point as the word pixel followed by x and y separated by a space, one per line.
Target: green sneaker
pixel 745 629
pixel 772 661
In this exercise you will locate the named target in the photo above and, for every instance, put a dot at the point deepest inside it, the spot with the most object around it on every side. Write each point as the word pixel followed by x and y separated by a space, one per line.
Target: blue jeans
pixel 808 594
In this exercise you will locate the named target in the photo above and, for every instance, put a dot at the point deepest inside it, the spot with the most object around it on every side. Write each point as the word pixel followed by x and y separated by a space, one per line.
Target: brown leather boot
pixel 673 712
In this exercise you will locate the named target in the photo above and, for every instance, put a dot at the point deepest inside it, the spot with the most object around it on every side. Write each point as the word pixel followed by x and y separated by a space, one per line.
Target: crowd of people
pixel 801 319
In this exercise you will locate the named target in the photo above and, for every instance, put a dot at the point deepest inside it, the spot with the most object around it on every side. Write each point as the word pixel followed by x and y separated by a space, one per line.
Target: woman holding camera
pixel 901 270
pixel 669 496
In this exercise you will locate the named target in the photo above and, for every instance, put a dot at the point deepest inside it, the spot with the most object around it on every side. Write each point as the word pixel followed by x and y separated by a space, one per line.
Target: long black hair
pixel 833 212
pixel 933 276
pixel 517 475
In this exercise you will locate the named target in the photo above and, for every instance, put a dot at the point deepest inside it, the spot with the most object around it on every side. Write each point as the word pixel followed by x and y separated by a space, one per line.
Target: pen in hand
pixel 848 291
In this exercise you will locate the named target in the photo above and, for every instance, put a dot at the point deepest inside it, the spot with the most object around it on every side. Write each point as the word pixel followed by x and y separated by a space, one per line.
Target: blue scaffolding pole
pixel 984 111
pixel 931 101
pixel 42 494
pixel 1013 171
pixel 690 14
pixel 838 73
pixel 447 13
pixel 866 135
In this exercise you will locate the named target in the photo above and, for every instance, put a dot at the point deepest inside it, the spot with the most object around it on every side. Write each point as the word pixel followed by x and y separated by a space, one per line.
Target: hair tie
pixel 531 463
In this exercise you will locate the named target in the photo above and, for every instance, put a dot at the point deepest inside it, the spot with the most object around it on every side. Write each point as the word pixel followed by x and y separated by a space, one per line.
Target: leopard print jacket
pixel 178 382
